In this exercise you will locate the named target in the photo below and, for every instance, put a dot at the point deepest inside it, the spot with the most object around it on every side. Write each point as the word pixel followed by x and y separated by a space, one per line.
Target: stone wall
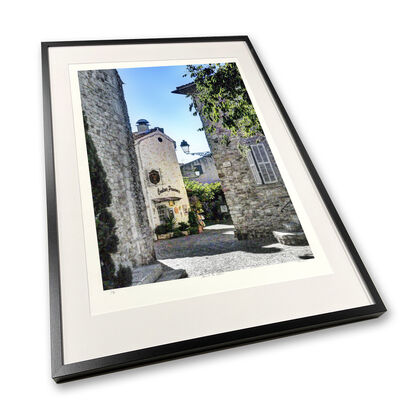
pixel 256 209
pixel 105 108
pixel 209 173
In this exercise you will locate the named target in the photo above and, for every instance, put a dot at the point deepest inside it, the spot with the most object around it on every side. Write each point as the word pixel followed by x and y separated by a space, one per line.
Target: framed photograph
pixel 184 213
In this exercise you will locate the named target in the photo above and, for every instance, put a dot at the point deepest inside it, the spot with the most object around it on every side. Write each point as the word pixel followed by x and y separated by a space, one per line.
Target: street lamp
pixel 186 150
pixel 185 147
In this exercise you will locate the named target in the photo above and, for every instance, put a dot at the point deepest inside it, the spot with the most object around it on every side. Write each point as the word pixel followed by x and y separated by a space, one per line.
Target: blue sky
pixel 148 95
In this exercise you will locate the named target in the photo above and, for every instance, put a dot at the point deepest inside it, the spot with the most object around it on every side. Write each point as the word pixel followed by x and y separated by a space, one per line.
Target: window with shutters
pixel 260 164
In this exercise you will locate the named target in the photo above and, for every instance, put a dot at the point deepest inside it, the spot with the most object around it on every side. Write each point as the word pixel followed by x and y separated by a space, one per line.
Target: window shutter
pixel 263 163
pixel 253 167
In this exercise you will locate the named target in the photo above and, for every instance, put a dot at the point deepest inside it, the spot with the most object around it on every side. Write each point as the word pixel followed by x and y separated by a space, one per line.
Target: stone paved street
pixel 216 250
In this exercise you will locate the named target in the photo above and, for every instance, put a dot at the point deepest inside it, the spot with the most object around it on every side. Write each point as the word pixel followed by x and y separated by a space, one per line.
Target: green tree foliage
pixel 124 277
pixel 223 98
pixel 105 223
pixel 205 198
pixel 204 191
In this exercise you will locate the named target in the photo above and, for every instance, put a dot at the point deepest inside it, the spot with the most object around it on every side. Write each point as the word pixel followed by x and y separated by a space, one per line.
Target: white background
pixel 337 66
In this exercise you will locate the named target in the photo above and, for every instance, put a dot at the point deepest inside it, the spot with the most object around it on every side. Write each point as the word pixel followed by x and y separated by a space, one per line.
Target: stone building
pixel 255 193
pixel 108 123
pixel 201 170
pixel 162 182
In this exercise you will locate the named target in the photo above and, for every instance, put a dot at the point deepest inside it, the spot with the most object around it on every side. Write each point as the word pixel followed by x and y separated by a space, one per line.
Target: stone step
pixel 147 274
pixel 173 274
pixel 291 238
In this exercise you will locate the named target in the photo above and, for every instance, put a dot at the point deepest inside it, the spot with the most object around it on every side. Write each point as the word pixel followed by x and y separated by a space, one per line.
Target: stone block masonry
pixel 105 108
pixel 208 173
pixel 256 209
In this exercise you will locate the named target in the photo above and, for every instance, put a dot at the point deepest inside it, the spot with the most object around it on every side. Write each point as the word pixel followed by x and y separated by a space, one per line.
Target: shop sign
pixel 167 189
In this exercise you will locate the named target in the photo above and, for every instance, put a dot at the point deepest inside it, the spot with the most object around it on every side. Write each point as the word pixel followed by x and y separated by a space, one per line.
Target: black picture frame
pixel 62 372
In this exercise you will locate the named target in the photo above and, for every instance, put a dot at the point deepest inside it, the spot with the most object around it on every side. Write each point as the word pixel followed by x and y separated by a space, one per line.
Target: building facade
pixel 108 124
pixel 201 170
pixel 161 178
pixel 254 190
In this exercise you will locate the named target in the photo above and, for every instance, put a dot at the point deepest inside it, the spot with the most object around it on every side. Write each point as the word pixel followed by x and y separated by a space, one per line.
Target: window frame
pixel 159 208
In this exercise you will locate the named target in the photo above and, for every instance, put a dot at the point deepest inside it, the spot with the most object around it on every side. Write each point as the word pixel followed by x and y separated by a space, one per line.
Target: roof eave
pixel 186 89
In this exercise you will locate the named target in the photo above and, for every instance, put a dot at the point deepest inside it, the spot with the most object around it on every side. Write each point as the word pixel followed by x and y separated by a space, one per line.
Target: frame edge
pixel 62 372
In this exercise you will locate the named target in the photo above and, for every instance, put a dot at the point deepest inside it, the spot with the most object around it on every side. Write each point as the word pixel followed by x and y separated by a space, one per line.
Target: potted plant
pixel 193 225
pixel 177 233
pixel 184 228
pixel 193 230
pixel 162 232
pixel 169 223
